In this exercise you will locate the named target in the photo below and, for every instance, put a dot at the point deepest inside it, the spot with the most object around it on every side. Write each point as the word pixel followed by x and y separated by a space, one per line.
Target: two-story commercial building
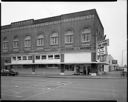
pixel 67 40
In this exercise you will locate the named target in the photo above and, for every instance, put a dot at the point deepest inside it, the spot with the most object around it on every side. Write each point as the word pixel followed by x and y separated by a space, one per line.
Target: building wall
pixel 61 27
pixel 110 66
pixel 106 68
pixel 47 30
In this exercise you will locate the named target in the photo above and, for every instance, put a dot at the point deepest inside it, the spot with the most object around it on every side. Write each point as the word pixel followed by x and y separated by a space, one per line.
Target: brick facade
pixel 60 24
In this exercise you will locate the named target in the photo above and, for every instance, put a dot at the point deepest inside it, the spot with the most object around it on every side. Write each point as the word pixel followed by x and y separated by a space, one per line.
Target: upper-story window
pixel 5 43
pixel 15 42
pixel 69 37
pixel 86 34
pixel 27 41
pixel 54 39
pixel 40 40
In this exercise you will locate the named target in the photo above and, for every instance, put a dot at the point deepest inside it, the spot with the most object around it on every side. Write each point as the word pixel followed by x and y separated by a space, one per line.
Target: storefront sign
pixel 103 43
pixel 101 51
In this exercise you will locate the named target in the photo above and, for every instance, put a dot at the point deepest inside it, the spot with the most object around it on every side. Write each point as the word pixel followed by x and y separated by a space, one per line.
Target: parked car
pixel 7 72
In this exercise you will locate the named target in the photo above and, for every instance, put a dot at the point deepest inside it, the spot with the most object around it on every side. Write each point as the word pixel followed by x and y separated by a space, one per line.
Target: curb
pixel 72 77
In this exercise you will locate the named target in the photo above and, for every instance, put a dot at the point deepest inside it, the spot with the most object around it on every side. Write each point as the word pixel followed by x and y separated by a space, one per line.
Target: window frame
pixel 24 56
pixel 15 43
pixel 54 39
pixel 86 35
pixel 29 57
pixel 19 57
pixel 14 58
pixel 5 44
pixel 40 41
pixel 56 57
pixel 37 58
pixel 27 42
pixel 69 38
pixel 50 57
pixel 43 58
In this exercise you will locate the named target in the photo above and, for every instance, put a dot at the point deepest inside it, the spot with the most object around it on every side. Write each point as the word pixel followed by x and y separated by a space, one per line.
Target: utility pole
pixel 122 58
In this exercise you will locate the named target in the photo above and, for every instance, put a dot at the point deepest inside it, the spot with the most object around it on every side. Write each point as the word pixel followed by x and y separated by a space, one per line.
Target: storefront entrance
pixel 82 69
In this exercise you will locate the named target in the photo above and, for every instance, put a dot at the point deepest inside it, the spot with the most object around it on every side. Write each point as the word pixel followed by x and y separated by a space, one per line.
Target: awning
pixel 99 63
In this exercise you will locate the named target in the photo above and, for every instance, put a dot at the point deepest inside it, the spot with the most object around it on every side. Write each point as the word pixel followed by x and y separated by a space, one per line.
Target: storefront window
pixel 29 57
pixel 38 57
pixel 57 56
pixel 24 57
pixel 50 56
pixel 43 56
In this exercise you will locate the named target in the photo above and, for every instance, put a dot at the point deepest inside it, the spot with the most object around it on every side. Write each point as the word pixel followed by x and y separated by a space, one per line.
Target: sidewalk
pixel 108 76
pixel 72 76
pixel 55 73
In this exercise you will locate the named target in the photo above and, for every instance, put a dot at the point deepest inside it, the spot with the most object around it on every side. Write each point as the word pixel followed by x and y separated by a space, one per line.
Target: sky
pixel 113 16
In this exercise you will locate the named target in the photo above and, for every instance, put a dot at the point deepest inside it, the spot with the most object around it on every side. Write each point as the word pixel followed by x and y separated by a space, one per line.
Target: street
pixel 40 88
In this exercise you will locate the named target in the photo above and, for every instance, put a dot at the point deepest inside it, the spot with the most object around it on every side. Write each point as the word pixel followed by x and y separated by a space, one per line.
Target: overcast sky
pixel 112 15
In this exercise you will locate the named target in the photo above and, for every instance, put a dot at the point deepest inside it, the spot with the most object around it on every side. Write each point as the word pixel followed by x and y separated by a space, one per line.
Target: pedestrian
pixel 33 69
pixel 122 73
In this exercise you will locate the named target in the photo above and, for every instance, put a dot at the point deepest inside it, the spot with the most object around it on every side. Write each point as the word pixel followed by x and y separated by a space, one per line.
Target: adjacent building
pixel 68 40
pixel 112 64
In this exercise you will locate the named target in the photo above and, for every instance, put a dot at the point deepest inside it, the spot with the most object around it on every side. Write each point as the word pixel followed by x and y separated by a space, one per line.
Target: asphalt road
pixel 39 88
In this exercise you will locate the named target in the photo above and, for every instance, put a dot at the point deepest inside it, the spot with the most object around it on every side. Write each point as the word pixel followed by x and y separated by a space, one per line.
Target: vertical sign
pixel 102 49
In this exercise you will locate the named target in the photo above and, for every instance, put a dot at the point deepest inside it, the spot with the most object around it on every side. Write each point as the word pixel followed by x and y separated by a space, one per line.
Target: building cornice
pixel 90 16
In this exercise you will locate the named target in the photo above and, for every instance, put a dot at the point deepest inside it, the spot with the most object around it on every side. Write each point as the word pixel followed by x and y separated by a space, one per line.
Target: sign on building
pixel 103 43
pixel 102 49
pixel 114 61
